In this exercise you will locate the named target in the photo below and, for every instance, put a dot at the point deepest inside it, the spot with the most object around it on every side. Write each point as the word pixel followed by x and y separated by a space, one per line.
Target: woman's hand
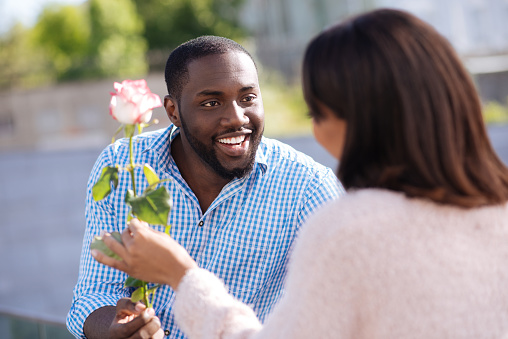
pixel 147 255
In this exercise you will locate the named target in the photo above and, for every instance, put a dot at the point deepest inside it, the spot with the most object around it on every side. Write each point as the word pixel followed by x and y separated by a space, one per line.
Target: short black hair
pixel 177 72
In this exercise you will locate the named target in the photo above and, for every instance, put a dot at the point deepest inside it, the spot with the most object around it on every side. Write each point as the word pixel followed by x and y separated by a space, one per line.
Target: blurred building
pixel 478 29
pixel 75 115
pixel 282 28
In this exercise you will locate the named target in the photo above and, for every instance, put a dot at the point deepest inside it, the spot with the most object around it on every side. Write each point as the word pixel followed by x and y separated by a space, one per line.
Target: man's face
pixel 221 113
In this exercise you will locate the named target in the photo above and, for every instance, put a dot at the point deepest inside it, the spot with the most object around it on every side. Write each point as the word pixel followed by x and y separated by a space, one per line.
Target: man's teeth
pixel 232 141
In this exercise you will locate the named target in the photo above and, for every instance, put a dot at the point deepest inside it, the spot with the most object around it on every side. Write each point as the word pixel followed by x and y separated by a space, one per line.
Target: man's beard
pixel 209 156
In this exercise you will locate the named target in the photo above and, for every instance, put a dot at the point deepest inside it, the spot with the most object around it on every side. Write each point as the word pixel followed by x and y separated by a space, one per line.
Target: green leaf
pixel 152 206
pixel 129 194
pixel 102 187
pixel 133 282
pixel 150 175
pixel 138 294
pixel 98 244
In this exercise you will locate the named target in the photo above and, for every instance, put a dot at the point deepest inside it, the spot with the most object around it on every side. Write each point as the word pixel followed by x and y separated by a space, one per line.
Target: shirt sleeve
pixel 98 285
pixel 323 188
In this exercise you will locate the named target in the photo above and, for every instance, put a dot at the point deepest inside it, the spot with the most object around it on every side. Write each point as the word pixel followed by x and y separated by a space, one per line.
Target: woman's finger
pixel 115 246
pixel 136 225
pixel 126 237
pixel 108 261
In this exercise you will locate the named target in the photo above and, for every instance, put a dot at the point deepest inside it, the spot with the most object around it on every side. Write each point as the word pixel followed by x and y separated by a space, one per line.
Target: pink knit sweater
pixel 374 264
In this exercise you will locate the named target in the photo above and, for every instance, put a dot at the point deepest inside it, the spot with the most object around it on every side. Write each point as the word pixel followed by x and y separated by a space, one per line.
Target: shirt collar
pixel 163 148
pixel 261 157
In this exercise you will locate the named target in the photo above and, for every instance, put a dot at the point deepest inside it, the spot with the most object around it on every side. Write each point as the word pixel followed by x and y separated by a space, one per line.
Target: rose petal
pixel 133 102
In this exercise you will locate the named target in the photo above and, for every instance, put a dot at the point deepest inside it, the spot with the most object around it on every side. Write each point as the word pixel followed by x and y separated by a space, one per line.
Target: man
pixel 239 199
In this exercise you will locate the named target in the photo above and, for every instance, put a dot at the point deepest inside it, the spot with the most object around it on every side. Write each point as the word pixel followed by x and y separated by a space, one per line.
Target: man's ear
pixel 172 110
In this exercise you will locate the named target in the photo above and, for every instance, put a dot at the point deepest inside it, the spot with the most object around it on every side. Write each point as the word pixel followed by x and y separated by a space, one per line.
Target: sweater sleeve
pixel 204 309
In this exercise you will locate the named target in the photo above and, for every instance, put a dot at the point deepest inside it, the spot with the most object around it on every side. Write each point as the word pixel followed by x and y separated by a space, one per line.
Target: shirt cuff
pixel 83 307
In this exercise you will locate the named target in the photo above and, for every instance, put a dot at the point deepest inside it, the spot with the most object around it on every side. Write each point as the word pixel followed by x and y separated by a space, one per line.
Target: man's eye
pixel 249 98
pixel 211 104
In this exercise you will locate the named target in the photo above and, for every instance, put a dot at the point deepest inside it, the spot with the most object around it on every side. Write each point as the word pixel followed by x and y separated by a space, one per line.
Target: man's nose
pixel 234 115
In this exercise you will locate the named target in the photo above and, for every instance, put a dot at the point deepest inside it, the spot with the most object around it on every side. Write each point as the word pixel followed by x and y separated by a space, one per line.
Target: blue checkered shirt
pixel 244 237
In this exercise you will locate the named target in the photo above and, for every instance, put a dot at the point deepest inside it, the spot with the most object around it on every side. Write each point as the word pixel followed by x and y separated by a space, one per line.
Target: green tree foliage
pixel 101 38
pixel 169 23
pixel 108 38
pixel 63 33
pixel 22 63
pixel 117 43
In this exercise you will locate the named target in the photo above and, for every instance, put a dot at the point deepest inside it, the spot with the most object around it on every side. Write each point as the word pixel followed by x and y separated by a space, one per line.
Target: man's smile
pixel 234 145
pixel 232 140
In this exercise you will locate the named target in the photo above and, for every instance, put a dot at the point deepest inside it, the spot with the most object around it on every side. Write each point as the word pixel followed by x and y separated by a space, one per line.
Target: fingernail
pixel 140 307
pixel 94 253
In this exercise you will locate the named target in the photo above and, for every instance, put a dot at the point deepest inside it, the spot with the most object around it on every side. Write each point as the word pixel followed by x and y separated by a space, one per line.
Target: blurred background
pixel 58 62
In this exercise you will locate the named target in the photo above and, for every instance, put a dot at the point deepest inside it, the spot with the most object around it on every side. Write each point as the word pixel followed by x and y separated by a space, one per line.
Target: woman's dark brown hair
pixel 414 121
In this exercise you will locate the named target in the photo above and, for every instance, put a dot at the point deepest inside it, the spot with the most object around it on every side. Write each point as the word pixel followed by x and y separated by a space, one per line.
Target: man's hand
pixel 134 321
pixel 130 321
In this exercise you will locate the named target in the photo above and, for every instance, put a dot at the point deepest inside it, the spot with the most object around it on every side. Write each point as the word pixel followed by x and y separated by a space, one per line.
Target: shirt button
pixel 201 223
pixel 166 332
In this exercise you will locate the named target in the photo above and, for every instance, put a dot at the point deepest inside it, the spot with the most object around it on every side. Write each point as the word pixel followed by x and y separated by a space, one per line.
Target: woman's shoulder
pixel 349 223
pixel 341 242
pixel 370 221
pixel 356 210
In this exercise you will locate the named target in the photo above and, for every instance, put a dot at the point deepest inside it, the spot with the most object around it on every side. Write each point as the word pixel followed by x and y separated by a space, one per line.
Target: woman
pixel 419 246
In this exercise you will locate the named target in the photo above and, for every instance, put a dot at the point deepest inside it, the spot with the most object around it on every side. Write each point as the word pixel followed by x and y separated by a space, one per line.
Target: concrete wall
pixel 68 116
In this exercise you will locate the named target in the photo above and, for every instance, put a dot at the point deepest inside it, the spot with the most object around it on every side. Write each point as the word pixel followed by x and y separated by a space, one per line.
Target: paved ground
pixel 42 213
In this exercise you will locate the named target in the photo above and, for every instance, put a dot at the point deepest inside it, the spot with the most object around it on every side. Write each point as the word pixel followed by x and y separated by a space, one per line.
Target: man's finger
pixel 126 306
pixel 126 312
pixel 152 329
pixel 139 324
